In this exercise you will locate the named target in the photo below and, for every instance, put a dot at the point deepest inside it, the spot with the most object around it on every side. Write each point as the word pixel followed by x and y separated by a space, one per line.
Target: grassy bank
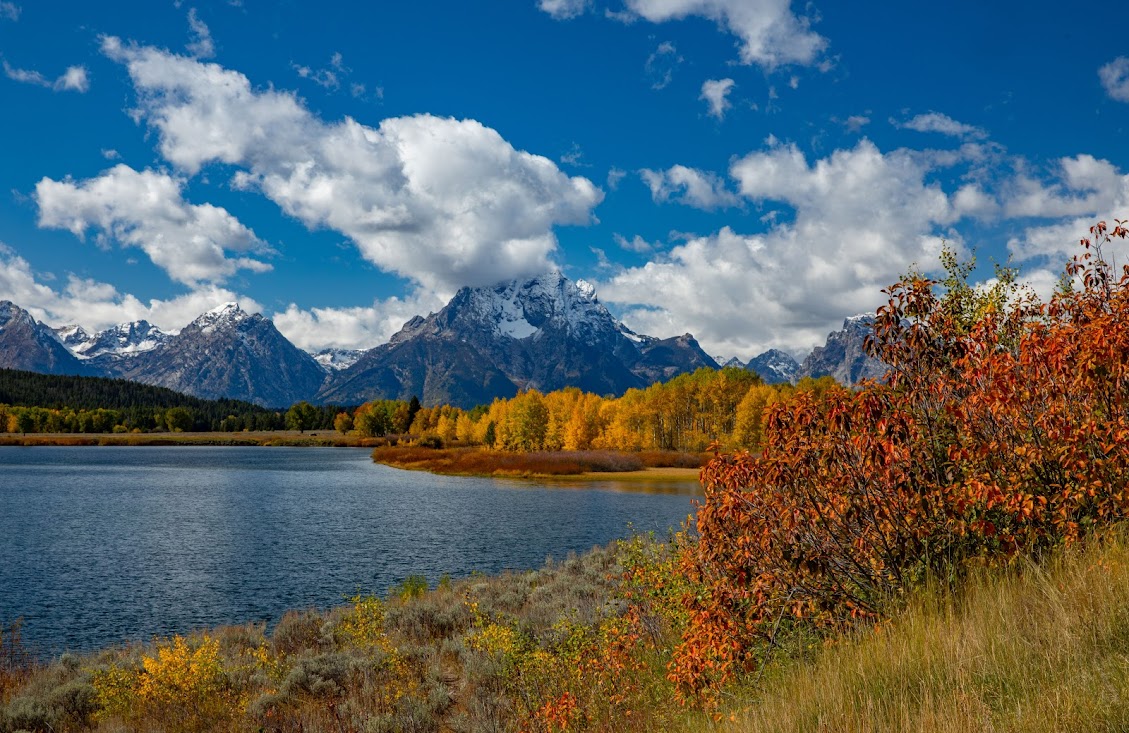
pixel 253 438
pixel 1031 648
pixel 473 461
pixel 504 653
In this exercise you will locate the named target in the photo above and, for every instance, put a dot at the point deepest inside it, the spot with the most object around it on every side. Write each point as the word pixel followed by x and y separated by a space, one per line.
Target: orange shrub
pixel 1002 427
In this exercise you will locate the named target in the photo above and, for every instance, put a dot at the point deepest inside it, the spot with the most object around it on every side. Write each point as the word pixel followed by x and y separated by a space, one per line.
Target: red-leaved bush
pixel 1002 427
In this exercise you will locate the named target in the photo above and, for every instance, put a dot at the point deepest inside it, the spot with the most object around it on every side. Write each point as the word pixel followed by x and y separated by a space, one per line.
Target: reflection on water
pixel 103 545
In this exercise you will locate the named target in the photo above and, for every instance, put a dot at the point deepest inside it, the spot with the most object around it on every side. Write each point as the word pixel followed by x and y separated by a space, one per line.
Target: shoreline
pixel 650 473
pixel 277 438
pixel 323 439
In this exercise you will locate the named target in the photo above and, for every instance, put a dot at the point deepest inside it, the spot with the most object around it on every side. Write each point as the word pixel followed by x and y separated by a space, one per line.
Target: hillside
pixel 1034 648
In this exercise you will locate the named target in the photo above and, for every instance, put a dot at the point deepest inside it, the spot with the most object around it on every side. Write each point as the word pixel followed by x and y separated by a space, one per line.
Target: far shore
pixel 384 455
pixel 293 438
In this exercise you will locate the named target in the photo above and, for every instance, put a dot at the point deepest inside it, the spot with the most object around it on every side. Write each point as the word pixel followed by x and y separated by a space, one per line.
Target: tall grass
pixel 1037 647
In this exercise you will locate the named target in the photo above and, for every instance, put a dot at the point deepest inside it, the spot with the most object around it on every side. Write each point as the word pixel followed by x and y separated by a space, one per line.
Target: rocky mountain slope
pixel 228 352
pixel 27 344
pixel 546 332
pixel 774 367
pixel 844 355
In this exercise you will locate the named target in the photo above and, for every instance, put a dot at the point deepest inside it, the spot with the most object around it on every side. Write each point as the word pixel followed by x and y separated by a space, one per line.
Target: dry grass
pixel 482 462
pixel 1035 648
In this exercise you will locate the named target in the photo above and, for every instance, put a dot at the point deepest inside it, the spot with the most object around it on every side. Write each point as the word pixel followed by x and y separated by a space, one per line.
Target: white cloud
pixel 564 9
pixel 96 305
pixel 1115 78
pixel 690 186
pixel 615 175
pixel 636 244
pixel 147 210
pixel 1080 185
pixel 1082 191
pixel 770 33
pixel 25 76
pixel 351 328
pixel 440 201
pixel 971 200
pixel 715 93
pixel 940 123
pixel 201 44
pixel 324 78
pixel 74 79
pixel 661 65
pixel 861 219
pixel 111 154
pixel 9 11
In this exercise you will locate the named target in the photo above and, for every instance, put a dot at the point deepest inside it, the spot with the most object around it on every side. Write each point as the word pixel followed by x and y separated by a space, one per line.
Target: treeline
pixel 49 403
pixel 689 413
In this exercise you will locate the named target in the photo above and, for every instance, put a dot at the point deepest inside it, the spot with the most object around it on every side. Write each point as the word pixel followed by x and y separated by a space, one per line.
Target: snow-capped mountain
pixel 230 353
pixel 728 361
pixel 123 340
pixel 774 367
pixel 844 355
pixel 27 344
pixel 334 360
pixel 545 332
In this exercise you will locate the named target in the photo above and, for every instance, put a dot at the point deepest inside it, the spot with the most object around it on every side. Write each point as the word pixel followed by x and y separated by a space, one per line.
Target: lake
pixel 103 545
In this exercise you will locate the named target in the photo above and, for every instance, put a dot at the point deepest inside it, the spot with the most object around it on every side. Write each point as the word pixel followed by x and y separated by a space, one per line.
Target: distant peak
pixel 222 308
pixel 587 289
pixel 221 314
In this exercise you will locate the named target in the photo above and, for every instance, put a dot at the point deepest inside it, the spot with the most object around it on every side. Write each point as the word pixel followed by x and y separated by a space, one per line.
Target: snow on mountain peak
pixel 336 360
pixel 225 313
pixel 521 308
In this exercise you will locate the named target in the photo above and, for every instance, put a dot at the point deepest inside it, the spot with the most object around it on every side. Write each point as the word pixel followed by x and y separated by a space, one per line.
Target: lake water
pixel 102 545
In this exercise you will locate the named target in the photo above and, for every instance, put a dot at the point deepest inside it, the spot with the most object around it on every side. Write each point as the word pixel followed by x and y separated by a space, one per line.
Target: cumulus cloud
pixel 769 32
pixel 564 9
pixel 715 93
pixel 200 44
pixel 96 305
pixel 352 328
pixel 1115 78
pixel 74 79
pixel 440 201
pixel 147 210
pixel 1079 185
pixel 9 11
pixel 690 186
pixel 1080 191
pixel 861 219
pixel 941 123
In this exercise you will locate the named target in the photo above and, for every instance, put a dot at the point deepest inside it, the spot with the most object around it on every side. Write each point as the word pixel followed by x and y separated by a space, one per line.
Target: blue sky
pixel 744 170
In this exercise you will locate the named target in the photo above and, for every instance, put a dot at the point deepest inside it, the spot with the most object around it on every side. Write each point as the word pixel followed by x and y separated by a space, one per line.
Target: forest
pixel 688 414
pixel 49 403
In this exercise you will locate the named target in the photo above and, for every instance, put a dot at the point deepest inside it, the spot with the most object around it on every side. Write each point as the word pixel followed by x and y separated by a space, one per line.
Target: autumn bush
pixel 1001 429
pixel 578 644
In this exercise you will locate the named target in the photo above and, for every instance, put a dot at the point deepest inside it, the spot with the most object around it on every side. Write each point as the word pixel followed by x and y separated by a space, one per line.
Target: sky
pixel 748 171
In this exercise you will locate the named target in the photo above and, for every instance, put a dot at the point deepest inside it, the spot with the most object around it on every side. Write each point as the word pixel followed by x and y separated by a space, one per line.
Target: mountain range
pixel 545 333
